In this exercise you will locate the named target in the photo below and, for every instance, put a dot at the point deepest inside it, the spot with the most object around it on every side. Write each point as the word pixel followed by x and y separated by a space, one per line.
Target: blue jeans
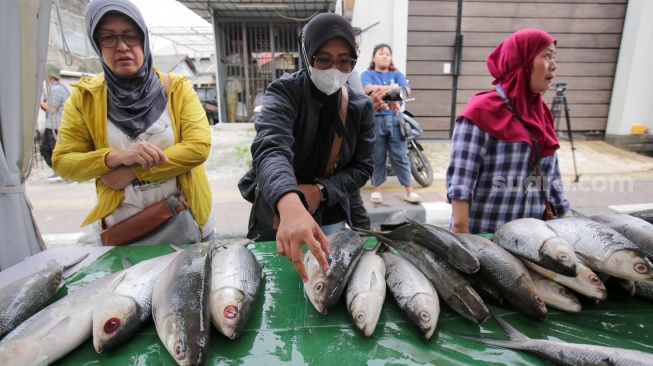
pixel 390 142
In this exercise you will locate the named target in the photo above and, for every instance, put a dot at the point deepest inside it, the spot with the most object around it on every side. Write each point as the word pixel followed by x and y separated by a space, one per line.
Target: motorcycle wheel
pixel 420 167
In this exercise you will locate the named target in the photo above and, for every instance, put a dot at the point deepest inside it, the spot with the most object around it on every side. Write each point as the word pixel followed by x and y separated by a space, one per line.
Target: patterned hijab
pixel 511 64
pixel 135 101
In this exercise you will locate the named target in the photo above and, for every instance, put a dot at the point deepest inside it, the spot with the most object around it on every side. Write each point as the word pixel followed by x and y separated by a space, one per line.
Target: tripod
pixel 560 100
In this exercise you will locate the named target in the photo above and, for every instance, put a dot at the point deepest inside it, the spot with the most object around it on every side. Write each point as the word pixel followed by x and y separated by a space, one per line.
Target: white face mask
pixel 328 81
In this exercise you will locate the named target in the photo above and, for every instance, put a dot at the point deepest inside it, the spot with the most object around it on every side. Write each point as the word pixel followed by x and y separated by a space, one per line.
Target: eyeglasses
pixel 325 63
pixel 131 38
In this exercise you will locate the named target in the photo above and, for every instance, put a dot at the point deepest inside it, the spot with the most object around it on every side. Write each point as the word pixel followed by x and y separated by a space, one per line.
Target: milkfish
pixel 561 353
pixel 603 249
pixel 440 241
pixel 507 274
pixel 414 293
pixel 235 279
pixel 59 328
pixel 324 289
pixel 534 240
pixel 646 215
pixel 26 296
pixel 484 289
pixel 124 311
pixel 639 231
pixel 366 292
pixel 555 295
pixel 450 284
pixel 586 283
pixel 180 305
pixel 618 285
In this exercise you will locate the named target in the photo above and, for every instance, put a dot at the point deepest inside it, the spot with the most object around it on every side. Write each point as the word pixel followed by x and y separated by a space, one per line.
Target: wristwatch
pixel 323 192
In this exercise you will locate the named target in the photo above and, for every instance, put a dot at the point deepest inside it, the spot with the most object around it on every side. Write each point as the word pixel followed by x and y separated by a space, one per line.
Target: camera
pixel 395 95
pixel 560 87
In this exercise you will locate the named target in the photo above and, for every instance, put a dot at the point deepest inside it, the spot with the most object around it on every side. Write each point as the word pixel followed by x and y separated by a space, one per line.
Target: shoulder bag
pixel 168 221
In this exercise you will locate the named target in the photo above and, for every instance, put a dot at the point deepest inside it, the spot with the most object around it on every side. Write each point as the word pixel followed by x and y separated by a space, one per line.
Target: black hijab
pixel 322 28
pixel 135 101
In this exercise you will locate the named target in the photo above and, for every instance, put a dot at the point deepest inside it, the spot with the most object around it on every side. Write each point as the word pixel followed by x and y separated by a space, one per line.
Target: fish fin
pixel 505 343
pixel 115 282
pixel 126 263
pixel 375 234
pixel 75 261
pixel 57 328
pixel 513 333
pixel 176 248
pixel 373 279
pixel 587 260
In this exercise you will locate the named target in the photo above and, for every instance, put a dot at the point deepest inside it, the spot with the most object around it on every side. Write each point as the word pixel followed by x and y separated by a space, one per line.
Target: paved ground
pixel 611 180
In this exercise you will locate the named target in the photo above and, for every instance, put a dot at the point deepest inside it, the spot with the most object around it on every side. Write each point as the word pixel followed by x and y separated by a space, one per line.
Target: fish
pixel 450 284
pixel 646 215
pixel 504 272
pixel 440 241
pixel 324 289
pixel 562 353
pixel 180 305
pixel 586 283
pixel 487 292
pixel 235 279
pixel 634 229
pixel 603 249
pixel 28 295
pixel 59 328
pixel 644 290
pixel 414 293
pixel 366 292
pixel 125 310
pixel 618 285
pixel 534 240
pixel 555 295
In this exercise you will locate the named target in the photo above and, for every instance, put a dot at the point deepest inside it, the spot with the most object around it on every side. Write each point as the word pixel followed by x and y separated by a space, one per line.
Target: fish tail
pixel 513 333
pixel 491 341
pixel 375 234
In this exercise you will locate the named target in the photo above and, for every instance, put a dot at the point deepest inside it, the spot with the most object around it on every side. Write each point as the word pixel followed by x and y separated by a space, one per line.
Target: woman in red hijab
pixel 492 178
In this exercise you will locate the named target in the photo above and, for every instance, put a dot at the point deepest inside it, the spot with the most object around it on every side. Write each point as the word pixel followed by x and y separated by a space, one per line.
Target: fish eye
pixel 566 293
pixel 563 257
pixel 318 287
pixel 594 279
pixel 360 317
pixel 230 312
pixel 180 350
pixel 111 325
pixel 641 268
pixel 424 316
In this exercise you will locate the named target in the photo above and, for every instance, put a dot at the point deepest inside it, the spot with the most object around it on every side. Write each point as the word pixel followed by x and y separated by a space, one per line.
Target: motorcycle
pixel 420 167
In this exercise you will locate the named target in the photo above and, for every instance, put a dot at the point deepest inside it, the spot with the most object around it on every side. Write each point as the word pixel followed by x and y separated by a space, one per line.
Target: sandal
pixel 376 197
pixel 413 198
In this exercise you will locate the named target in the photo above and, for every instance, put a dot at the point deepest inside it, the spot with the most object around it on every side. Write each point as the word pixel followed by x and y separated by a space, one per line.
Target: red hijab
pixel 511 64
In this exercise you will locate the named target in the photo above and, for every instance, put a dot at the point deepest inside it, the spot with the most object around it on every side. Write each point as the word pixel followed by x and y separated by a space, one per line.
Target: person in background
pixel 53 111
pixel 295 134
pixel 124 130
pixel 381 77
pixel 493 154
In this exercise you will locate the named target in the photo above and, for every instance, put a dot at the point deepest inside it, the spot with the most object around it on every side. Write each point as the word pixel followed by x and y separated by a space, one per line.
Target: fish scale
pixel 635 229
pixel 235 278
pixel 414 293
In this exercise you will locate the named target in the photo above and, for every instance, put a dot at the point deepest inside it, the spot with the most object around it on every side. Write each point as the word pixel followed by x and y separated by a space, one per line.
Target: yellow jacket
pixel 81 153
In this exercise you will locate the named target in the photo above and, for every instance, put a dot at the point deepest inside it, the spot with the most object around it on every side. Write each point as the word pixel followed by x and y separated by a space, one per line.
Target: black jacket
pixel 289 120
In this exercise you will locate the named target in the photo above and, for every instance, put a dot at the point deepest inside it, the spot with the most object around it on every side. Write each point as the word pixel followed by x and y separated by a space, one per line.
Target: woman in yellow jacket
pixel 122 128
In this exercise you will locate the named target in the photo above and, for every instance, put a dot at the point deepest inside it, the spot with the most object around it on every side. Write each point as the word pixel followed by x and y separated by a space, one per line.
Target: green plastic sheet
pixel 285 329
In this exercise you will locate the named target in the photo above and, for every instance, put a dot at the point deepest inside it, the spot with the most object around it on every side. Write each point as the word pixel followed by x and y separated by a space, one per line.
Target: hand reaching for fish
pixel 296 228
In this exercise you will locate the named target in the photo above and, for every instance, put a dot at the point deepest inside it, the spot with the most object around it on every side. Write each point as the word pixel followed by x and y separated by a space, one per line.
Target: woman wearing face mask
pixel 383 76
pixel 295 137
pixel 495 158
pixel 140 143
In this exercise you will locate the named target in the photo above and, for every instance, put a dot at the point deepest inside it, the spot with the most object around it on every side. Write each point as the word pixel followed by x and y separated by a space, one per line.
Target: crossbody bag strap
pixel 334 157
pixel 536 162
pixel 166 83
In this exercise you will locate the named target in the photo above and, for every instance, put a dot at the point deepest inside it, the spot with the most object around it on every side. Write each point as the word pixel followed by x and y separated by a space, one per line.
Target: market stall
pixel 285 328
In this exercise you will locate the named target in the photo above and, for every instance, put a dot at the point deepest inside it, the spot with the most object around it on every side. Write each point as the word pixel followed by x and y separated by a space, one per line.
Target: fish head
pixel 629 264
pixel 178 338
pixel 423 310
pixel 559 256
pixel 365 309
pixel 528 299
pixel 26 351
pixel 114 320
pixel 228 308
pixel 588 279
pixel 316 290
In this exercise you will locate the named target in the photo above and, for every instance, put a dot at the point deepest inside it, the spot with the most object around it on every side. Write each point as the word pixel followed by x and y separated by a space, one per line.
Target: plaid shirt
pixel 59 95
pixel 497 180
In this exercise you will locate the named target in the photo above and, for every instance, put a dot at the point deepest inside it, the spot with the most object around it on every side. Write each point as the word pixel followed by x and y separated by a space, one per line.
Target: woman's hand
pixel 395 107
pixel 296 228
pixel 143 153
pixel 119 178
pixel 460 216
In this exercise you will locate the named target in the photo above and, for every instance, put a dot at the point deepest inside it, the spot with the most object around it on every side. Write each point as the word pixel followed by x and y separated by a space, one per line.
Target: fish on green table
pixel 562 353
pixel 535 241
pixel 587 282
pixel 28 295
pixel 324 289
pixel 414 293
pixel 637 230
pixel 235 280
pixel 366 292
pixel 125 310
pixel 180 305
pixel 555 295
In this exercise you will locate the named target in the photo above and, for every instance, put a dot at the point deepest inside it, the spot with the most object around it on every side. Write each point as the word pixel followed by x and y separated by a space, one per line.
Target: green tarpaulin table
pixel 285 329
